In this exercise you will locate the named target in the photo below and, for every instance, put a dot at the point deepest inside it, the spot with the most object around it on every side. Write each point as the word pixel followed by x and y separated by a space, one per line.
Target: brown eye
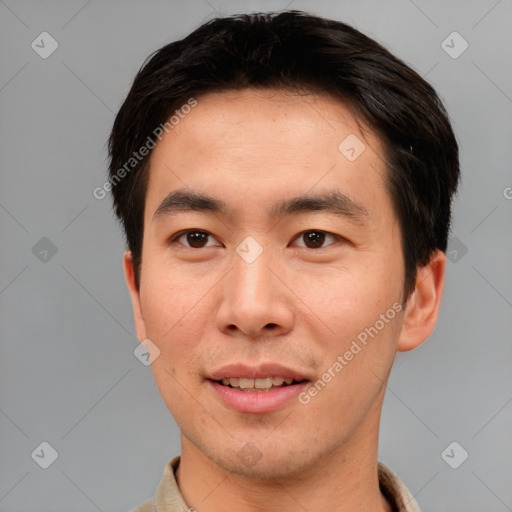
pixel 314 239
pixel 195 239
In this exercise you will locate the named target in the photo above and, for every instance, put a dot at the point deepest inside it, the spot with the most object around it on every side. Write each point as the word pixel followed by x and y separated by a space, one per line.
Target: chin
pixel 267 467
pixel 261 459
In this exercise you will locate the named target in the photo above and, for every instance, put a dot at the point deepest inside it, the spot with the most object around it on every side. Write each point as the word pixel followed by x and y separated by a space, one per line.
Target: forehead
pixel 272 143
pixel 237 118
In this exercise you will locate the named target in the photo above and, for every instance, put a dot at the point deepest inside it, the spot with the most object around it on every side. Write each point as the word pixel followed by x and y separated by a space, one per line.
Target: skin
pixel 295 304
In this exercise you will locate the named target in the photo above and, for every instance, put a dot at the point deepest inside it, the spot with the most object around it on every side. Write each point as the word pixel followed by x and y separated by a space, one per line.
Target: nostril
pixel 270 326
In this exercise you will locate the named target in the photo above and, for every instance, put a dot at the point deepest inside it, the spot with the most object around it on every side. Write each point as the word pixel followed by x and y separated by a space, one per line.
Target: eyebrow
pixel 333 201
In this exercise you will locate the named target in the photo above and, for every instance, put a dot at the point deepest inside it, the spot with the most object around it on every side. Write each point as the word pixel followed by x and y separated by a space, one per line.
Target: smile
pixel 264 384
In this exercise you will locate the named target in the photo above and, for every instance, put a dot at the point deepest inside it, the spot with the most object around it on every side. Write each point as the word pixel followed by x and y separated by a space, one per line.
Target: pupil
pixel 196 238
pixel 315 238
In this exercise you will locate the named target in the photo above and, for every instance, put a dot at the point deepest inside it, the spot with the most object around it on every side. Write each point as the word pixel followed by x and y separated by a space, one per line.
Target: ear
pixel 422 308
pixel 129 275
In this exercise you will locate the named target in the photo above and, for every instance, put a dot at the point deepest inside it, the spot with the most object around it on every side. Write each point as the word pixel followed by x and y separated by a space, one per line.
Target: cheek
pixel 175 315
pixel 347 309
pixel 169 295
pixel 346 300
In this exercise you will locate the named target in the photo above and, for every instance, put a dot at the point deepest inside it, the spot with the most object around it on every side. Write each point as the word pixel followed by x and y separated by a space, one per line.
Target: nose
pixel 255 302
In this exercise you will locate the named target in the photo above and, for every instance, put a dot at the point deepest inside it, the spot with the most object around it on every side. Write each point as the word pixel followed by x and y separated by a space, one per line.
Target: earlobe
pixel 423 305
pixel 129 275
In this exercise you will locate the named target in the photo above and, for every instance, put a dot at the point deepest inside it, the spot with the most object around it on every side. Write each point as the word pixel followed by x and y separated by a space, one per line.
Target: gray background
pixel 68 373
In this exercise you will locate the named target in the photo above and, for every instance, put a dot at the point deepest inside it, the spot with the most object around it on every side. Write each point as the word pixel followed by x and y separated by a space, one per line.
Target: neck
pixel 346 480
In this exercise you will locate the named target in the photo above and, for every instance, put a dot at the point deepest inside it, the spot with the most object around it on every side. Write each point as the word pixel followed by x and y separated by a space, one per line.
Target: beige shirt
pixel 169 499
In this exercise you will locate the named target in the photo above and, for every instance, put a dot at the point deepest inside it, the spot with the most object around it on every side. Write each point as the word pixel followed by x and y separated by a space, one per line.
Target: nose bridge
pixel 252 279
pixel 254 302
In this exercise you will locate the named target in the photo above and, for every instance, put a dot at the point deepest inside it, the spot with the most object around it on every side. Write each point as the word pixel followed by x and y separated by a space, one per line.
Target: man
pixel 284 183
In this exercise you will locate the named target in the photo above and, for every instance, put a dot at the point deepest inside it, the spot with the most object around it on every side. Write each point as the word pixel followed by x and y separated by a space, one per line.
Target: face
pixel 270 252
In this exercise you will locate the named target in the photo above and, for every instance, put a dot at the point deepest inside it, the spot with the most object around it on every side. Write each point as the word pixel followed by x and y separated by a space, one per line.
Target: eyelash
pixel 336 238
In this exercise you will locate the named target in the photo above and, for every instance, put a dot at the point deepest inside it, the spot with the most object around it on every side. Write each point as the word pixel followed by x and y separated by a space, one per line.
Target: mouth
pixel 257 390
pixel 258 385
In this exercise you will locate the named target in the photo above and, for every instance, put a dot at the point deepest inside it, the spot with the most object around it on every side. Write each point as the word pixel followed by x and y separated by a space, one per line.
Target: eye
pixel 193 238
pixel 315 239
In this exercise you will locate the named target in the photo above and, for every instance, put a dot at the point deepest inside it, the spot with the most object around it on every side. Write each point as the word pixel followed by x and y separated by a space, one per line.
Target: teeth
pixel 233 382
pixel 246 383
pixel 252 384
pixel 263 383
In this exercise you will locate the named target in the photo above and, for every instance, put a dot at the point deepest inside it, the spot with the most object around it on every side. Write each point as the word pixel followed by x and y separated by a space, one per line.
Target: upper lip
pixel 240 370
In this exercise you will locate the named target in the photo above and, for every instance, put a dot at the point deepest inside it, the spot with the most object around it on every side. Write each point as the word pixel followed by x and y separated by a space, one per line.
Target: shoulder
pixel 395 491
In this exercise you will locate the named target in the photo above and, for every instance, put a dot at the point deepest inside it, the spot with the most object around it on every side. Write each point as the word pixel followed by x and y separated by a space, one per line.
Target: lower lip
pixel 258 401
